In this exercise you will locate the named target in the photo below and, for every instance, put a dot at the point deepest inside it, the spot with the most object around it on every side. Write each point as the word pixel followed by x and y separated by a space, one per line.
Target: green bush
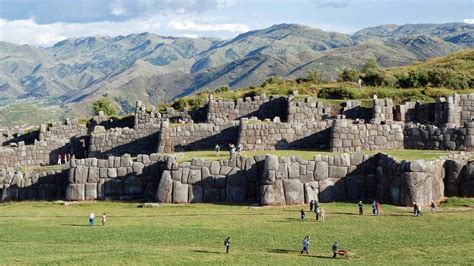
pixel 349 75
pixel 445 77
pixel 337 93
pixel 104 104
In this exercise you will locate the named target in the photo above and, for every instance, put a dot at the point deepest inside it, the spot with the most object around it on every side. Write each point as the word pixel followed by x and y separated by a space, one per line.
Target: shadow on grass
pixel 321 257
pixel 207 251
pixel 281 251
pixel 79 225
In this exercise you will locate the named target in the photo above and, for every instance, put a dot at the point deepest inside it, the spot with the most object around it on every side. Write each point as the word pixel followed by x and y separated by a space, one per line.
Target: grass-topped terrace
pixel 191 234
pixel 308 155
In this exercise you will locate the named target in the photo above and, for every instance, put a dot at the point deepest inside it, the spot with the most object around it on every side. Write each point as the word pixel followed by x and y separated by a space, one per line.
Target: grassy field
pixel 308 155
pixel 50 233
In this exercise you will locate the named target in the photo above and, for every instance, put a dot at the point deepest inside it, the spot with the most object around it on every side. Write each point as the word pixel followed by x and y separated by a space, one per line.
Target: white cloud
pixel 118 11
pixel 469 20
pixel 189 25
pixel 29 32
pixel 190 36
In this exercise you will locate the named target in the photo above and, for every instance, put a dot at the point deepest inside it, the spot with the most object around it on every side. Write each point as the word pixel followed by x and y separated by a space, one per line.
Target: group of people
pixel 375 208
pixel 232 149
pixel 318 211
pixel 66 158
pixel 306 243
pixel 92 218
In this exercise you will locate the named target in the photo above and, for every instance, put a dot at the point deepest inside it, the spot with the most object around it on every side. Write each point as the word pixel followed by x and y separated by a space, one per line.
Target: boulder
pixel 419 166
pixel 311 190
pixel 467 182
pixel 75 192
pixel 214 195
pixel 452 181
pixel 165 187
pixel 91 191
pixel 321 170
pixel 272 194
pixel 294 191
pixel 331 189
pixel 215 168
pixel 194 176
pixel 93 176
pixel 236 186
pixel 180 192
pixel 354 187
pixel 80 174
pixel 195 193
pixel 416 187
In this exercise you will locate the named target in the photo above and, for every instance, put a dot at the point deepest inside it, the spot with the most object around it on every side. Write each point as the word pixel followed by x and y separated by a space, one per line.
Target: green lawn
pixel 308 155
pixel 50 233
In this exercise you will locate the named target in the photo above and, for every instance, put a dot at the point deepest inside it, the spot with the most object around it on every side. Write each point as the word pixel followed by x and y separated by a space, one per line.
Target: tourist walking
pixel 59 159
pixel 317 210
pixel 433 207
pixel 227 244
pixel 415 209
pixel 334 249
pixel 218 149
pixel 311 204
pixel 323 214
pixel 374 205
pixel 418 208
pixel 377 208
pixel 104 218
pixel 305 245
pixel 303 215
pixel 91 218
pixel 361 207
pixel 240 148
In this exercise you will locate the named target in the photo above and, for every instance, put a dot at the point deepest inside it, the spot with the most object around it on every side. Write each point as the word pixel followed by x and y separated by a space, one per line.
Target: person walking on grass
pixel 361 207
pixel 415 209
pixel 323 214
pixel 418 207
pixel 104 219
pixel 334 249
pixel 377 208
pixel 91 218
pixel 303 215
pixel 218 149
pixel 433 207
pixel 305 245
pixel 311 204
pixel 374 205
pixel 227 245
pixel 317 210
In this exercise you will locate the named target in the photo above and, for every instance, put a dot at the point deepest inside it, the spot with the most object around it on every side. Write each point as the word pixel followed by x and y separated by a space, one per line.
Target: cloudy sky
pixel 45 22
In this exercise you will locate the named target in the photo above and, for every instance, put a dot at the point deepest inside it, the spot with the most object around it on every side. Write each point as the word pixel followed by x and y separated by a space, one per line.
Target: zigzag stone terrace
pixel 132 159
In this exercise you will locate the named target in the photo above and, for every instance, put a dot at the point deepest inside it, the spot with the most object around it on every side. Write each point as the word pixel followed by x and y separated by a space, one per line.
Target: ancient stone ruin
pixel 131 159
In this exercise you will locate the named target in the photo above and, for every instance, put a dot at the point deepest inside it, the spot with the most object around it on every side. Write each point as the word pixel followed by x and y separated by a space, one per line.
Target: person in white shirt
pixel 91 218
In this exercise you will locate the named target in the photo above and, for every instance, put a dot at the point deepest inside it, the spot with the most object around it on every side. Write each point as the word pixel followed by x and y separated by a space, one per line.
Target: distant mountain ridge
pixel 153 68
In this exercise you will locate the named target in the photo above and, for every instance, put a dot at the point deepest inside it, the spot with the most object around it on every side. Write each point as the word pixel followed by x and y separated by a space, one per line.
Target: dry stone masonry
pixel 117 159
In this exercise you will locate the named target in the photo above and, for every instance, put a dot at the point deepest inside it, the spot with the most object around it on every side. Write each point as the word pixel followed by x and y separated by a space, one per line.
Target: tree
pixel 105 105
pixel 314 76
pixel 350 75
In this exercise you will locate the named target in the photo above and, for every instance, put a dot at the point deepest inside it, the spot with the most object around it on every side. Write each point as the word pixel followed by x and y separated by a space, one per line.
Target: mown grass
pixel 49 233
pixel 309 154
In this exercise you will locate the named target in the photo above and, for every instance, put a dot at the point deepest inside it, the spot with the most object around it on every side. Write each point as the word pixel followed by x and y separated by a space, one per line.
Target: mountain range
pixel 153 68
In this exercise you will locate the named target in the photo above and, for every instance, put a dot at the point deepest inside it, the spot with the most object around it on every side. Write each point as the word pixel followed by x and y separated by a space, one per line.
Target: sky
pixel 45 22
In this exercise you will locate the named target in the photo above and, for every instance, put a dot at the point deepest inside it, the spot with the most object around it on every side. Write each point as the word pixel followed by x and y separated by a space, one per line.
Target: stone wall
pixel 261 107
pixel 17 186
pixel 383 110
pixel 66 130
pixel 416 112
pixel 430 137
pixel 309 109
pixel 455 110
pixel 116 178
pixel 40 153
pixel 258 135
pixel 234 180
pixel 347 136
pixel 17 134
pixel 203 136
pixel 143 138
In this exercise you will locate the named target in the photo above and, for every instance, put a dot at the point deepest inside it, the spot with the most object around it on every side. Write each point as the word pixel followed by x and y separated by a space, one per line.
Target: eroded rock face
pixel 75 192
pixel 294 191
